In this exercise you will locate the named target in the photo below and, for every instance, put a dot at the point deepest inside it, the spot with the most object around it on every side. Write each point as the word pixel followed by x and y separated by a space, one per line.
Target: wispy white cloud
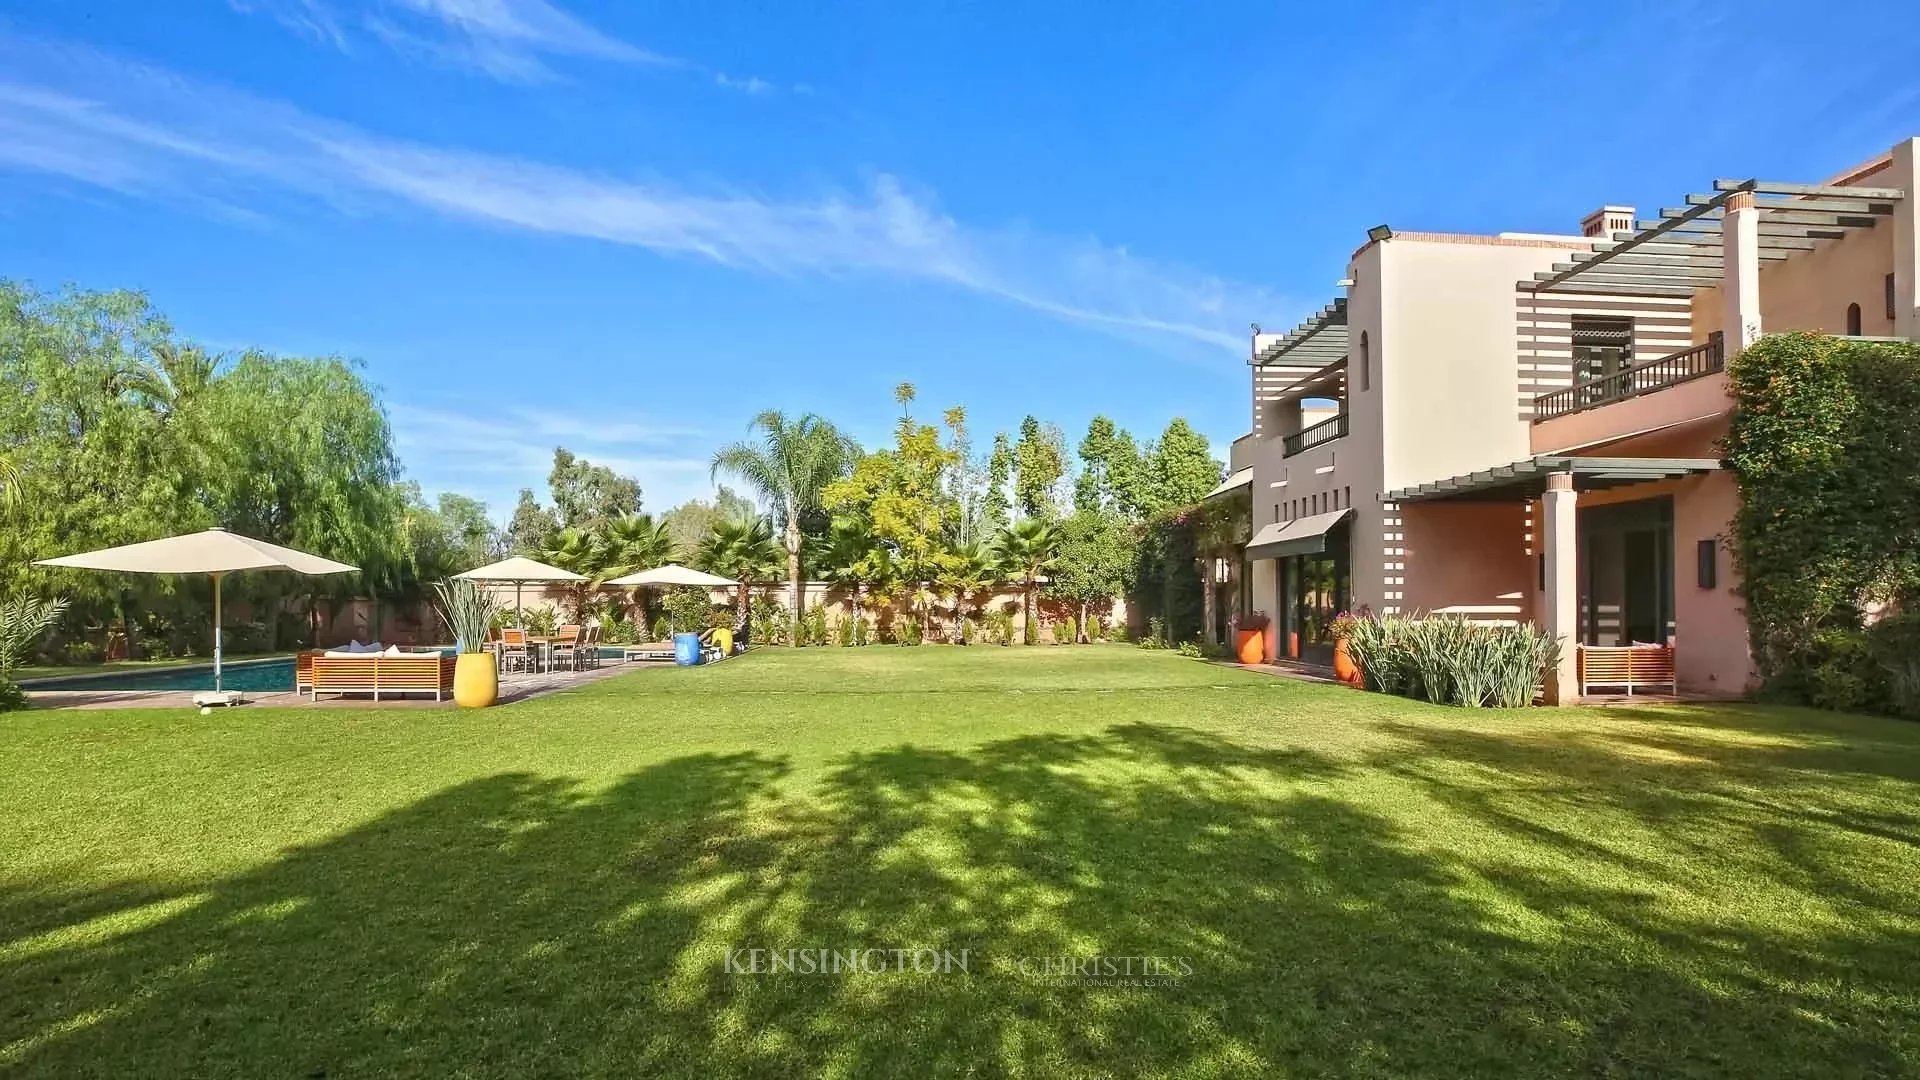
pixel 509 40
pixel 160 136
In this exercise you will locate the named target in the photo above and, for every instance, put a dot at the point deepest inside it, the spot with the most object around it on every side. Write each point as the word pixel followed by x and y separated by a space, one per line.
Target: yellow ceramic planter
pixel 476 681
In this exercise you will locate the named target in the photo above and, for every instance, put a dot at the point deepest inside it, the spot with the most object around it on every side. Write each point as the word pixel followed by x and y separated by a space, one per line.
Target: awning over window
pixel 1243 478
pixel 1301 536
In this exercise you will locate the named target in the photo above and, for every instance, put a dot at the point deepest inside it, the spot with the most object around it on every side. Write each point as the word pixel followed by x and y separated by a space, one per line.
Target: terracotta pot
pixel 1250 646
pixel 1344 668
pixel 476 680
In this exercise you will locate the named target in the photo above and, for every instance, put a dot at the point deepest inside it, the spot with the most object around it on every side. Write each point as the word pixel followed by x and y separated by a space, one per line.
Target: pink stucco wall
pixel 1470 558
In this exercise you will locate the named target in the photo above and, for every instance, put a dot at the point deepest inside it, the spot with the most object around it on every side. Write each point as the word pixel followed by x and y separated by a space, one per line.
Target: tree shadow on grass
pixel 518 925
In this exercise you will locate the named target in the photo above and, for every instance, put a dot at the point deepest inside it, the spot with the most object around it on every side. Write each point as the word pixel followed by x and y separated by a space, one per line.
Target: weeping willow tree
pixel 117 431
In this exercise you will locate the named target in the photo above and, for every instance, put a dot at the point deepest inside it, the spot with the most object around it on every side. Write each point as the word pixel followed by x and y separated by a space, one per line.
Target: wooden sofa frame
pixel 424 673
pixel 1627 666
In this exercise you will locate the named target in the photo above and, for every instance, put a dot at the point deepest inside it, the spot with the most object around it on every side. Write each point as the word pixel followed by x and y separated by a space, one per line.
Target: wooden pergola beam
pixel 1769 187
pixel 1579 286
pixel 1707 261
pixel 1821 206
pixel 1793 217
pixel 1685 237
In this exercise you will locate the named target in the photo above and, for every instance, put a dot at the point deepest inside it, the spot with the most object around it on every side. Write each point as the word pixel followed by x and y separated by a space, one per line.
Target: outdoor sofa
pixel 376 674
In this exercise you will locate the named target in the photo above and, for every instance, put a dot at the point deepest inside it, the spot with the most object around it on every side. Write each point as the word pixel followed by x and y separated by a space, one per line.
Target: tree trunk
pixel 1207 632
pixel 793 572
pixel 1084 638
pixel 1028 634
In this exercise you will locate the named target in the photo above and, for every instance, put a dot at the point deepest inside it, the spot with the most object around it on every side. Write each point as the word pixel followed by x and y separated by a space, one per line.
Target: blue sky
pixel 628 227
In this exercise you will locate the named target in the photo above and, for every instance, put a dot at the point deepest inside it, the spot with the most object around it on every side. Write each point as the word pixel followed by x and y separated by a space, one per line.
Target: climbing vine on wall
pixel 1825 445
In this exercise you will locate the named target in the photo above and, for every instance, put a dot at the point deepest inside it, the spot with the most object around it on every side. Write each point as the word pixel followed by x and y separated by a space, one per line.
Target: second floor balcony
pixel 1325 431
pixel 1633 380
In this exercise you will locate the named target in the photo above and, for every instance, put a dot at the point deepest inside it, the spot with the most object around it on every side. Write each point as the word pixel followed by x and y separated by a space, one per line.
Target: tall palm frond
pixel 634 542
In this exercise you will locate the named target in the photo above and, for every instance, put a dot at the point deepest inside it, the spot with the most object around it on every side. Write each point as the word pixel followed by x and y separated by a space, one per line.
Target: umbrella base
pixel 206 698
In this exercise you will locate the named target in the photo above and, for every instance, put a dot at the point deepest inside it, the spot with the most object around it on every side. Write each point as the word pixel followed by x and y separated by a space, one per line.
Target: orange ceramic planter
pixel 1344 668
pixel 1251 646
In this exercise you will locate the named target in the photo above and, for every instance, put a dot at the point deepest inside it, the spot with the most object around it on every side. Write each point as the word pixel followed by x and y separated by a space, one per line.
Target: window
pixel 1602 345
pixel 1853 320
pixel 1366 363
pixel 1892 309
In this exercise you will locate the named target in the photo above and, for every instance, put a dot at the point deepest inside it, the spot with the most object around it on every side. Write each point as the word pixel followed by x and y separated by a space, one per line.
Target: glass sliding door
pixel 1626 572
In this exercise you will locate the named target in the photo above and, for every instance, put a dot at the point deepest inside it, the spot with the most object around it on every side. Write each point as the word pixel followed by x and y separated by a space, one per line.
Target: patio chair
pixel 514 650
pixel 565 647
pixel 590 645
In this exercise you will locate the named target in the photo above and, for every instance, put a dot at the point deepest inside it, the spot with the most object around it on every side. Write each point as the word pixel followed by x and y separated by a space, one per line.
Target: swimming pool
pixel 258 676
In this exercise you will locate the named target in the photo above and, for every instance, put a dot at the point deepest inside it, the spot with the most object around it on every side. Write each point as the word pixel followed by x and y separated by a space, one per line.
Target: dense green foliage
pixel 1825 444
pixel 117 431
pixel 1096 553
pixel 1361 884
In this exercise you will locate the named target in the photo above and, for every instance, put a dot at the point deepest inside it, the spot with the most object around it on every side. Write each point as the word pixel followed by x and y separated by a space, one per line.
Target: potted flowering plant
pixel 1250 637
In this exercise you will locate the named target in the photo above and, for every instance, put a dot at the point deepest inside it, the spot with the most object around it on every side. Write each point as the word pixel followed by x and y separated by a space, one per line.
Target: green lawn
pixel 1358 885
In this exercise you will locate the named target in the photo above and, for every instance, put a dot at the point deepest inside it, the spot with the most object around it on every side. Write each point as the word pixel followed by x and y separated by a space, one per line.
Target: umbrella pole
pixel 519 613
pixel 216 633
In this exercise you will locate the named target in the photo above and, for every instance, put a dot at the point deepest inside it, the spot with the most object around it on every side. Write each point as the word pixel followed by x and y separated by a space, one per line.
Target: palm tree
pixel 742 550
pixel 630 543
pixel 1029 547
pixel 974 567
pixel 578 550
pixel 853 558
pixel 788 467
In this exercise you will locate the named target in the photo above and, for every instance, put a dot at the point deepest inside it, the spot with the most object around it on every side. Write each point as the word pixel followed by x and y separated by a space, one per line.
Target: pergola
pixel 1685 249
pixel 1524 480
pixel 1308 361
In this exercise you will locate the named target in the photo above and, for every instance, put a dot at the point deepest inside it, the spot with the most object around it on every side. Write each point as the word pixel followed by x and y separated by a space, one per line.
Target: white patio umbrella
pixel 215 553
pixel 519 571
pixel 675 574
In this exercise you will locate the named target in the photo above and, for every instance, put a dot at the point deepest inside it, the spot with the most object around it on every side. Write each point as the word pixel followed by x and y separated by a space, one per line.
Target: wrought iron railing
pixel 1307 438
pixel 1633 381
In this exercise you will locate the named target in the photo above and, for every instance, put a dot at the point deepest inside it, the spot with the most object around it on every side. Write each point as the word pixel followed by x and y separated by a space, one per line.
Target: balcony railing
pixel 1633 381
pixel 1307 438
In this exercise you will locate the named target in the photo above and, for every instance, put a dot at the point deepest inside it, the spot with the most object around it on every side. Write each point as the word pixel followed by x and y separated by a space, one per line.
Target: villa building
pixel 1525 427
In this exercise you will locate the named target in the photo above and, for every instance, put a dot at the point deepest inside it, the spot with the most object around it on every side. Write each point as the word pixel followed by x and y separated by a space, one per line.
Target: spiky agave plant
pixel 1521 657
pixel 1476 668
pixel 1366 646
pixel 468 611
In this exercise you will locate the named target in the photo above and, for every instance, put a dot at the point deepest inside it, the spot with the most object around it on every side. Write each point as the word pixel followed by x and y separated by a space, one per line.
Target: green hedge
pixel 1825 445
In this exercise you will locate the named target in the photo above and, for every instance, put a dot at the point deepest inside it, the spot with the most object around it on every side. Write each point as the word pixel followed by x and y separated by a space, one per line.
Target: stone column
pixel 1561 618
pixel 1740 251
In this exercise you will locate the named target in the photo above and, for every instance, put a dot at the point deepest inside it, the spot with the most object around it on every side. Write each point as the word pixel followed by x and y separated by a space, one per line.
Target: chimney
pixel 1604 222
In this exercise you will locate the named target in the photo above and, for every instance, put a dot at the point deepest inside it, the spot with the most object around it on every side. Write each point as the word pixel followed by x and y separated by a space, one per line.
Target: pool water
pixel 258 676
